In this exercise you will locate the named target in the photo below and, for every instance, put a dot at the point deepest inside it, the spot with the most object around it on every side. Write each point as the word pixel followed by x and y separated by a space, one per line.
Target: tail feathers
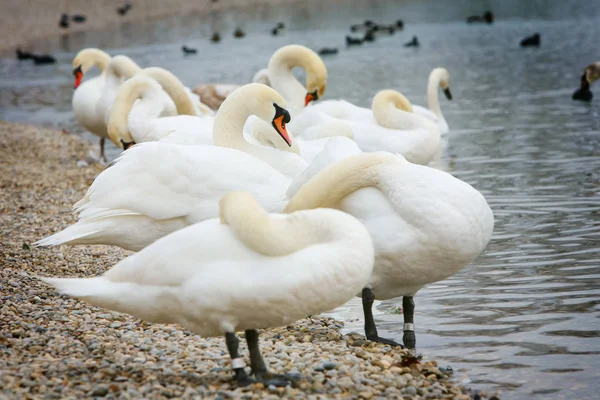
pixel 152 303
pixel 74 234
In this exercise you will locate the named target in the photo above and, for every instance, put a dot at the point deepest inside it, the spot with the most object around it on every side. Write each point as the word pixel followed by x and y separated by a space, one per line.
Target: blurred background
pixel 523 318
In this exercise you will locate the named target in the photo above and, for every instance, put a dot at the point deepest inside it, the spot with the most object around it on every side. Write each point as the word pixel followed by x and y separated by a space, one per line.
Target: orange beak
pixel 280 127
pixel 309 97
pixel 78 76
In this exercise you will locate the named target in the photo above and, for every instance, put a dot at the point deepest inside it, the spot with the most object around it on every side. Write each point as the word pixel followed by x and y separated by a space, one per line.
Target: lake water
pixel 524 317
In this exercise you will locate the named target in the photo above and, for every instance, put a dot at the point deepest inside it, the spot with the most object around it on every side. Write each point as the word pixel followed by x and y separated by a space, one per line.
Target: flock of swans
pixel 272 208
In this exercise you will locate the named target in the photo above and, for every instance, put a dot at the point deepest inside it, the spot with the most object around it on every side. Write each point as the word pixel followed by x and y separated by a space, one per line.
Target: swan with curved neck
pixel 439 78
pixel 135 119
pixel 88 93
pixel 283 80
pixel 391 126
pixel 425 224
pixel 119 69
pixel 177 185
pixel 279 76
pixel 248 271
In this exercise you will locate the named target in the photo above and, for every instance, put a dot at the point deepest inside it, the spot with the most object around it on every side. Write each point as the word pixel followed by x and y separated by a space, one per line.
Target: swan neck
pixel 118 126
pixel 330 186
pixel 432 94
pixel 282 79
pixel 228 128
pixel 174 88
pixel 122 67
pixel 261 232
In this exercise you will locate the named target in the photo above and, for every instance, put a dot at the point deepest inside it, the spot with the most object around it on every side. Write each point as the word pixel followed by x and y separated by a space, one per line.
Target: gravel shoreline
pixel 52 346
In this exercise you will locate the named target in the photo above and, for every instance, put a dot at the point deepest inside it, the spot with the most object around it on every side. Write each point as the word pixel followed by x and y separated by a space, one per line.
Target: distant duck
pixel 369 36
pixel 64 21
pixel 400 24
pixel 413 43
pixel 23 55
pixel 124 9
pixel 488 18
pixel 43 59
pixel 78 18
pixel 188 50
pixel 278 28
pixel 215 37
pixel 328 51
pixel 239 33
pixel 368 24
pixel 531 41
pixel 350 41
pixel 590 75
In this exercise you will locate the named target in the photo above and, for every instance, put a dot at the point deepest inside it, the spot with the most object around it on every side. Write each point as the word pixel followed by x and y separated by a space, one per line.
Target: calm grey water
pixel 524 317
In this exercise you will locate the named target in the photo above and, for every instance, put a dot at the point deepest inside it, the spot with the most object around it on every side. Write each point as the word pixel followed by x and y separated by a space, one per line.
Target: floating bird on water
pixel 413 43
pixel 124 9
pixel 188 50
pixel 215 37
pixel 590 75
pixel 23 55
pixel 239 33
pixel 350 41
pixel 488 18
pixel 369 36
pixel 531 41
pixel 64 21
pixel 400 24
pixel 327 51
pixel 43 59
pixel 275 31
pixel 78 18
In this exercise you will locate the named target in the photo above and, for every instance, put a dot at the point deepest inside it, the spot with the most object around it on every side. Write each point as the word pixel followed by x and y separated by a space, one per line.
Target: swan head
pixel 255 99
pixel 443 77
pixel 386 97
pixel 135 88
pixel 316 79
pixel 85 60
pixel 294 55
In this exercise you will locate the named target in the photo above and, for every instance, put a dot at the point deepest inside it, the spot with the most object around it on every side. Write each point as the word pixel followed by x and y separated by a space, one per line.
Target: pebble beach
pixel 55 347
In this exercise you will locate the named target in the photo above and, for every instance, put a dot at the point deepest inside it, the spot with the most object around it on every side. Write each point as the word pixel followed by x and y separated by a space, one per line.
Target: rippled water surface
pixel 524 317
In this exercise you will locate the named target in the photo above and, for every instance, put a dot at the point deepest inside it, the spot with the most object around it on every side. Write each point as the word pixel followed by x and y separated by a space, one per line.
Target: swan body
pixel 155 188
pixel 438 78
pixel 249 270
pixel 425 224
pixel 391 126
pixel 88 93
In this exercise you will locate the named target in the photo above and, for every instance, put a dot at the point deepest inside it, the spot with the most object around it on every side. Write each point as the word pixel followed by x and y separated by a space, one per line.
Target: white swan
pixel 87 94
pixel 282 79
pixel 438 78
pixel 391 126
pixel 119 69
pixel 425 224
pixel 247 271
pixel 135 116
pixel 156 188
pixel 128 126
